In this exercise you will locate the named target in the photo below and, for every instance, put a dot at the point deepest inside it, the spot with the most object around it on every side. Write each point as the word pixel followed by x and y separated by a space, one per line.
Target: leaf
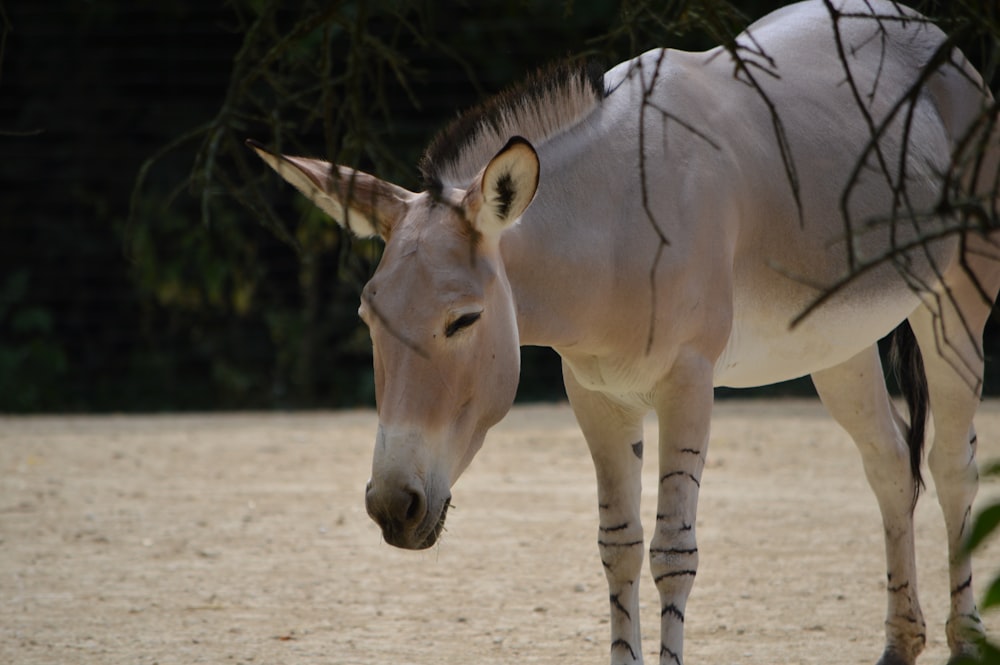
pixel 986 523
pixel 12 291
pixel 990 654
pixel 992 596
pixel 990 468
pixel 33 320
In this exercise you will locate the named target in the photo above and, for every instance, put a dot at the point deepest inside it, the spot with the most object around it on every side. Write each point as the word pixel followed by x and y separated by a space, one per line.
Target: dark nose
pixel 399 509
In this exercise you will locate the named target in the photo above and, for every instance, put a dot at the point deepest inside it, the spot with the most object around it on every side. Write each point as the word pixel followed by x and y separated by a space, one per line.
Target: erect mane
pixel 546 103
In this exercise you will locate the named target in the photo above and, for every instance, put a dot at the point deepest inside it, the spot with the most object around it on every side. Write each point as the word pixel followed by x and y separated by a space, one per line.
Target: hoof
pixel 967 640
pixel 892 657
pixel 969 655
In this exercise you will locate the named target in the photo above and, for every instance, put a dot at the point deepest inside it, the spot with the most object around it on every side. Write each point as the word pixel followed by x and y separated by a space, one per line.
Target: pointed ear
pixel 361 203
pixel 507 186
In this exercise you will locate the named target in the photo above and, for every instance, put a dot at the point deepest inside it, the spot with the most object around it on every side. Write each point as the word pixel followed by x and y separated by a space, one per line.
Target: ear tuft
pixel 507 187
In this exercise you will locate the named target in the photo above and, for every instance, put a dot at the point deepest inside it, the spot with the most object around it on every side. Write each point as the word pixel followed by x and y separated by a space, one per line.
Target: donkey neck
pixel 583 260
pixel 559 258
pixel 570 254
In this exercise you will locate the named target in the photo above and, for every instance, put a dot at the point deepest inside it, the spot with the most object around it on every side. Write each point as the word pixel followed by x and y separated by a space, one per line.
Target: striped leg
pixel 854 392
pixel 684 406
pixel 952 350
pixel 614 435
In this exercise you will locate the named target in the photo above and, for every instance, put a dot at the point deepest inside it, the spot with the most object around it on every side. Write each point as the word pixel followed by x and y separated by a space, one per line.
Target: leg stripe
pixel 672 611
pixel 908 618
pixel 972 617
pixel 664 651
pixel 681 473
pixel 660 517
pixel 619 527
pixel 620 643
pixel 616 604
pixel 962 587
pixel 693 550
pixel 676 573
pixel 604 543
pixel 691 451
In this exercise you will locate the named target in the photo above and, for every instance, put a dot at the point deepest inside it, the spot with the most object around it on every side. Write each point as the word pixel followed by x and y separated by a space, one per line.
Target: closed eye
pixel 464 321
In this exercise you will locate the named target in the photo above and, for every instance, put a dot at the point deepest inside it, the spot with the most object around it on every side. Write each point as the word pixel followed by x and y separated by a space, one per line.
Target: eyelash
pixel 461 322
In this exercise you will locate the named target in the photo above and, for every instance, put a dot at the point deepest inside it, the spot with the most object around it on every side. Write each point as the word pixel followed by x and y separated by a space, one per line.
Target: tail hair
pixel 908 368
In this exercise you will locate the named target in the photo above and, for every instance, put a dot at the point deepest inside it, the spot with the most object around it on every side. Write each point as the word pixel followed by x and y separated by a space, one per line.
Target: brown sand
pixel 243 539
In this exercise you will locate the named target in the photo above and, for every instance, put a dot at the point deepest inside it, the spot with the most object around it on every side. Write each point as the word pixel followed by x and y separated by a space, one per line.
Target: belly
pixel 765 348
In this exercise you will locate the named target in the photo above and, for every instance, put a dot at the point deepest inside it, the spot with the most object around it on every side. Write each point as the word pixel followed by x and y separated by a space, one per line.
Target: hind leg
pixel 854 392
pixel 948 329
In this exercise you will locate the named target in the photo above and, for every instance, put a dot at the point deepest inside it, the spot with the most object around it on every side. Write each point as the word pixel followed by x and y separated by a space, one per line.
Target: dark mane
pixel 551 100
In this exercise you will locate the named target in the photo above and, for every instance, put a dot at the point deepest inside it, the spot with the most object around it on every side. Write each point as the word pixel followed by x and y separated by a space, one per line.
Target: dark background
pixel 149 262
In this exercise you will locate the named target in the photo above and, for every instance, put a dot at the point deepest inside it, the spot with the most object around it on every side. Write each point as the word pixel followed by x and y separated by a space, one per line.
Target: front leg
pixel 684 407
pixel 614 435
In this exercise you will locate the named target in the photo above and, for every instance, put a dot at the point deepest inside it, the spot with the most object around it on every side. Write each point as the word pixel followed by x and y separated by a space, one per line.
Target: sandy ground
pixel 243 539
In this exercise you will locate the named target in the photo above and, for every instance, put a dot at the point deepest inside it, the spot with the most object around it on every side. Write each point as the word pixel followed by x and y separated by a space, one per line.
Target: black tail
pixel 908 368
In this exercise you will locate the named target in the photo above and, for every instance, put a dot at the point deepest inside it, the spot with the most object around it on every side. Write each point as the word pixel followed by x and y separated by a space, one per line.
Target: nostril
pixel 417 509
pixel 397 509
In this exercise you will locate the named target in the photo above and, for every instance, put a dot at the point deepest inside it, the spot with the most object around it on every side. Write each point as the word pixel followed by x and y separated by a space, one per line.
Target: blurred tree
pixel 348 79
pixel 150 263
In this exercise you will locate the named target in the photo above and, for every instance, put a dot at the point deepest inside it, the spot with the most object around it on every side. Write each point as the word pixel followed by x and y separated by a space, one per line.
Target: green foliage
pixel 150 262
pixel 349 80
pixel 987 522
pixel 32 362
pixel 986 525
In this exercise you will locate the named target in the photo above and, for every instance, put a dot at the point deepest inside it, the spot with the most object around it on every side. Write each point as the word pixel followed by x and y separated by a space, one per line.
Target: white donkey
pixel 661 226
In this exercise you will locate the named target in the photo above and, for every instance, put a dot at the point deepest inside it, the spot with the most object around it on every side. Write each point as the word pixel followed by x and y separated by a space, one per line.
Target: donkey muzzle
pixel 408 517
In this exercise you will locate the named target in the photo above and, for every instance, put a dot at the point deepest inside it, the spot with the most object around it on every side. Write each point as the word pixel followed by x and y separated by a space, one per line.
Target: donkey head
pixel 441 316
